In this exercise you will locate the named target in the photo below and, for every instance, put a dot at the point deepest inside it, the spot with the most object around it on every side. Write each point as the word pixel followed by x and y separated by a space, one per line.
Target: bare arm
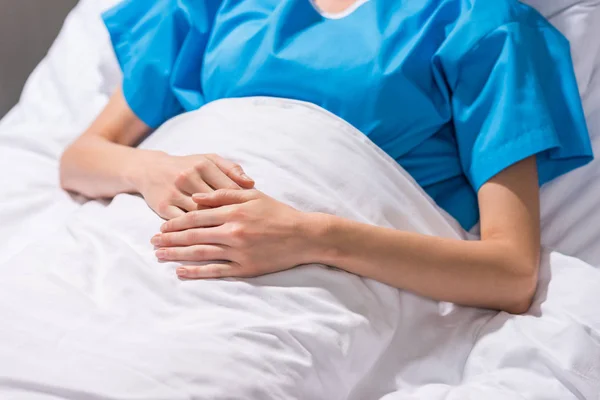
pixel 103 163
pixel 258 235
pixel 499 271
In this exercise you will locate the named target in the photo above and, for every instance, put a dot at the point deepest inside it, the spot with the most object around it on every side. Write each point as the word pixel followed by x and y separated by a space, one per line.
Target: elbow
pixel 519 304
pixel 522 288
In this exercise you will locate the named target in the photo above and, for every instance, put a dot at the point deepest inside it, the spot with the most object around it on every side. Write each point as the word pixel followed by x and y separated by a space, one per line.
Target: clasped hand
pixel 235 233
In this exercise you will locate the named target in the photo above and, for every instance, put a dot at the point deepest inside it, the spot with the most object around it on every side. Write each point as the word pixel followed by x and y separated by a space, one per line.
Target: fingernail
pixel 181 271
pixel 246 177
pixel 199 196
pixel 155 240
pixel 161 253
pixel 163 227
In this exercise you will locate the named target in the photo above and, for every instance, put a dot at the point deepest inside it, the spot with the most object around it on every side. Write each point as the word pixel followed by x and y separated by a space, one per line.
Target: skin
pixel 334 6
pixel 245 233
pixel 253 234
pixel 102 163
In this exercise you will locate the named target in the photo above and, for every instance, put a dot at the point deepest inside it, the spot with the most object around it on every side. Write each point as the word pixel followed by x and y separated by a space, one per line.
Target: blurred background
pixel 27 29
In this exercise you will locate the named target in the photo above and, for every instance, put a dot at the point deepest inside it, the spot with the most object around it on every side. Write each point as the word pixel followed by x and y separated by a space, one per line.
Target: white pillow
pixel 579 21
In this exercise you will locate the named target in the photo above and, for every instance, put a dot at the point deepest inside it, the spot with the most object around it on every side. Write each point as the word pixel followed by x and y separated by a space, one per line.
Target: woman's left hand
pixel 239 233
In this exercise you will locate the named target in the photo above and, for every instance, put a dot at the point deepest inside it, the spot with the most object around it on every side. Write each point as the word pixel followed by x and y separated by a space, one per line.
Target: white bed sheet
pixel 70 87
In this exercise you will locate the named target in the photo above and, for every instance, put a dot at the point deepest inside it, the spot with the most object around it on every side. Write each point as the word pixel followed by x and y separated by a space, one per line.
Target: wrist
pixel 136 175
pixel 319 230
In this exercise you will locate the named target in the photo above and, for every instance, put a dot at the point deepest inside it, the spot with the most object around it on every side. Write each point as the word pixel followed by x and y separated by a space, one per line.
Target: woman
pixel 477 100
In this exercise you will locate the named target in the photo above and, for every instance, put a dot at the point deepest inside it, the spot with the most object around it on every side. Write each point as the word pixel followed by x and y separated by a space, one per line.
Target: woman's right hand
pixel 168 182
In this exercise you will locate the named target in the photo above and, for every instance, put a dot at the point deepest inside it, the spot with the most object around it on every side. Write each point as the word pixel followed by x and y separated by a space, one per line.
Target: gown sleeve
pixel 514 95
pixel 160 47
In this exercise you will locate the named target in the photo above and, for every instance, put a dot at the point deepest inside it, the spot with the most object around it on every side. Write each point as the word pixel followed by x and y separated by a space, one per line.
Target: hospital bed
pixel 555 351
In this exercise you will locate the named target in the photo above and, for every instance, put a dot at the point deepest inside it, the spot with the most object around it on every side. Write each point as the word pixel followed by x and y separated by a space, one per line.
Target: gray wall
pixel 27 29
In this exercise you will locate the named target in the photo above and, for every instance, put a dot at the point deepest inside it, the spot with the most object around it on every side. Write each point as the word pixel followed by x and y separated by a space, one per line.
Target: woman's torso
pixel 373 67
pixel 379 66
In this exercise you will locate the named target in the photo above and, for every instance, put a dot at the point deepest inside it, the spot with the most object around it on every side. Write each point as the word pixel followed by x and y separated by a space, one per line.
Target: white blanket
pixel 87 313
pixel 94 315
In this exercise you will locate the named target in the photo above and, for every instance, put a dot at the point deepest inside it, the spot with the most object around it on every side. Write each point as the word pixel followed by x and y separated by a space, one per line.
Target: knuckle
pixel 220 272
pixel 181 178
pixel 166 240
pixel 168 254
pixel 195 218
pixel 186 174
pixel 170 194
pixel 202 164
pixel 236 214
pixel 220 193
pixel 237 231
pixel 191 236
pixel 198 252
pixel 232 186
pixel 162 207
pixel 194 272
pixel 211 271
pixel 236 168
pixel 190 172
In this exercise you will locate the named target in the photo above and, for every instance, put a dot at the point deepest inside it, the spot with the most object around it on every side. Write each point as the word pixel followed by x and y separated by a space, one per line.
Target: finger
pixel 216 178
pixel 198 253
pixel 190 237
pixel 233 171
pixel 191 182
pixel 185 203
pixel 223 197
pixel 209 271
pixel 197 219
pixel 171 212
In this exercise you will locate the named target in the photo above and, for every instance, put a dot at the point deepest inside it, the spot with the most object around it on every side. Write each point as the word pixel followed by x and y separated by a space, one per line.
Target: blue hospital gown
pixel 454 90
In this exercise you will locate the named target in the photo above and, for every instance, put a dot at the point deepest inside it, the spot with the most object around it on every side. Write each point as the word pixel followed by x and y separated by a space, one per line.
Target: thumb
pixel 234 171
pixel 238 175
pixel 222 197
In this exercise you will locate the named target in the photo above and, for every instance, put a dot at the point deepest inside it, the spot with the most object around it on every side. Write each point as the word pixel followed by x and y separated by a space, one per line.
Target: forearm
pixel 96 167
pixel 487 273
pixel 101 162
